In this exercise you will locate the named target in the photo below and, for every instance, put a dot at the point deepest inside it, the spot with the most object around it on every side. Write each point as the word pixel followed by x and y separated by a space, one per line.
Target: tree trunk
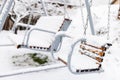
pixel 8 23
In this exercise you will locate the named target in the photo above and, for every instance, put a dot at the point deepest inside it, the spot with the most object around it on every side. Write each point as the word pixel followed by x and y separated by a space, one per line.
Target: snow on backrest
pixel 50 23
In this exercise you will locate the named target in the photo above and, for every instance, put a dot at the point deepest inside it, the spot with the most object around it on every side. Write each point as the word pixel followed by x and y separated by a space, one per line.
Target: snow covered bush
pixel 32 10
pixel 31 59
pixel 24 7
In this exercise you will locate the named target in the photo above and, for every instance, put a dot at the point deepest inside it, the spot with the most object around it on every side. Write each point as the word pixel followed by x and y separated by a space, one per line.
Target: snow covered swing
pixel 41 35
pixel 83 55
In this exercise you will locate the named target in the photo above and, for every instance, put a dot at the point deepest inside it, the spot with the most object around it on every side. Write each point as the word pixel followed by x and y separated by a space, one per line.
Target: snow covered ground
pixel 111 62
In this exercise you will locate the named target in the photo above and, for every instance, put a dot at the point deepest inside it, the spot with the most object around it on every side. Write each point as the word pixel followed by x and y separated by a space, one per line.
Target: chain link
pixel 108 25
pixel 85 23
pixel 81 8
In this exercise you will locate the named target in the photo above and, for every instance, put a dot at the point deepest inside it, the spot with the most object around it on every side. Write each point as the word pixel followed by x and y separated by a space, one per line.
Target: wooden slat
pixel 63 61
pixel 101 48
pixel 115 2
pixel 100 53
pixel 93 57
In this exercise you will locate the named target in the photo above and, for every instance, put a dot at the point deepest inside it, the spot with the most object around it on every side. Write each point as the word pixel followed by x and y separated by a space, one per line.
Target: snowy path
pixel 64 74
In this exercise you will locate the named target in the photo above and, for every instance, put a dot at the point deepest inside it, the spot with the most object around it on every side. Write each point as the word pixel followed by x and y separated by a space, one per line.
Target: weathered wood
pixel 118 14
pixel 101 48
pixel 100 53
pixel 63 61
pixel 114 1
pixel 93 57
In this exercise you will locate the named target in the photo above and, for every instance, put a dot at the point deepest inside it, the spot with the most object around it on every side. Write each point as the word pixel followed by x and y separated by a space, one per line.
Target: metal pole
pixel 5 12
pixel 2 5
pixel 90 17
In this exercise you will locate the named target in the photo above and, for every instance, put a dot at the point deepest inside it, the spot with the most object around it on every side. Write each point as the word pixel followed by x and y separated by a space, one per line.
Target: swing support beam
pixel 6 6
pixel 90 17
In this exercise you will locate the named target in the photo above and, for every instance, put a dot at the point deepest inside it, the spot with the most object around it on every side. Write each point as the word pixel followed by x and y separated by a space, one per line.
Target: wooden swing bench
pixel 85 48
pixel 96 66
pixel 46 26
pixel 100 52
pixel 87 58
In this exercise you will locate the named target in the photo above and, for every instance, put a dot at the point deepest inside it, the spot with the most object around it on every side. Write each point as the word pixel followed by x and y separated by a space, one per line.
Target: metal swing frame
pixel 6 5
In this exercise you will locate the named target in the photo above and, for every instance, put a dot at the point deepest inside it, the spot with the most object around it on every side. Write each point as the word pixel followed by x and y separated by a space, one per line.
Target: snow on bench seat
pixel 41 38
pixel 50 23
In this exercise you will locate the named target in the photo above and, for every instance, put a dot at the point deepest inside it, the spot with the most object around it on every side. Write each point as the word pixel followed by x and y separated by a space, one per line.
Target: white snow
pixel 110 65
pixel 4 40
pixel 50 23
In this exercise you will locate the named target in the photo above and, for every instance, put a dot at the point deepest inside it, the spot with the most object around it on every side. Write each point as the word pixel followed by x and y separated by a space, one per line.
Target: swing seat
pixel 81 63
pixel 41 35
